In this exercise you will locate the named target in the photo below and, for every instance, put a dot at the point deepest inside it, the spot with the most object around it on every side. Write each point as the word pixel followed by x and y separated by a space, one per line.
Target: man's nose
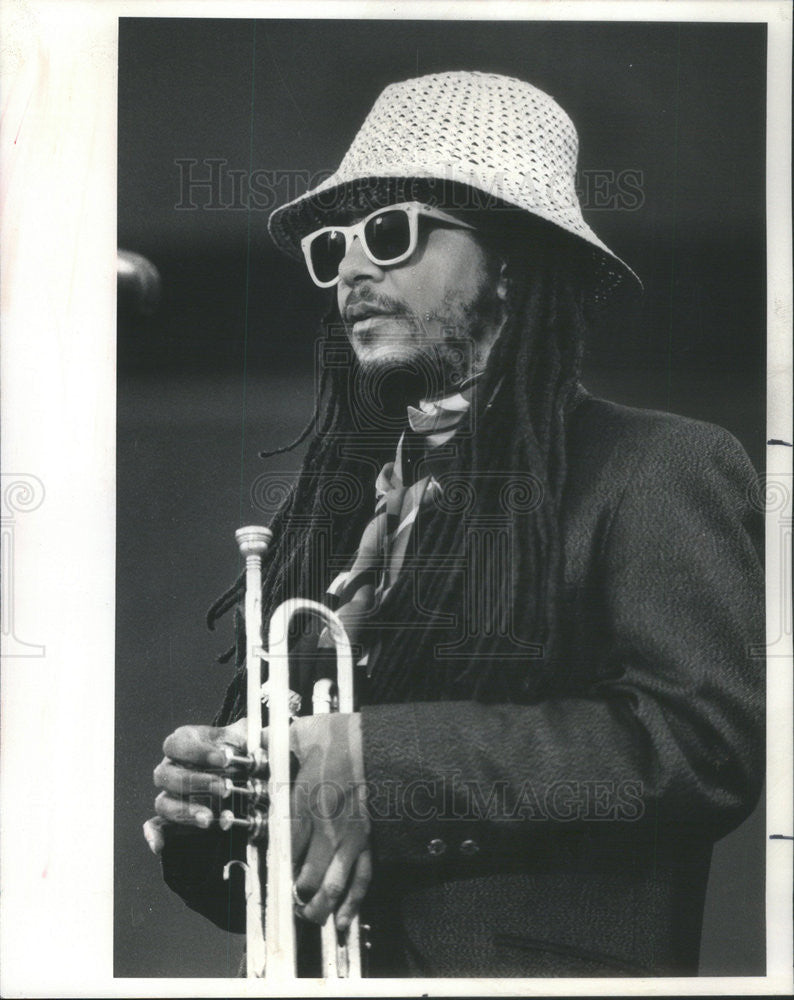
pixel 356 265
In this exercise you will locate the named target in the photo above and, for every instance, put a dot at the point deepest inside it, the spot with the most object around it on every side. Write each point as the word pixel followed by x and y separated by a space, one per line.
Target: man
pixel 551 597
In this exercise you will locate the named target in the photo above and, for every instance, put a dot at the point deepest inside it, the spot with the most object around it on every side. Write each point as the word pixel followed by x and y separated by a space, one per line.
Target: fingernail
pixel 216 758
pixel 154 838
pixel 203 818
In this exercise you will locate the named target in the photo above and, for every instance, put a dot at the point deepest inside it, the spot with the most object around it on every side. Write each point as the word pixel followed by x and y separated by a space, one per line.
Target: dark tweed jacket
pixel 573 836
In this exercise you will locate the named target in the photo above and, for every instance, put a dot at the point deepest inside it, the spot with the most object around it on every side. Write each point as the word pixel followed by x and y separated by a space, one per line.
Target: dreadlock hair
pixel 519 430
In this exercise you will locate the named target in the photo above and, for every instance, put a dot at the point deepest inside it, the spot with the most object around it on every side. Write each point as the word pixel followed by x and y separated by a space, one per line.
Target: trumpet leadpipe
pixel 253 542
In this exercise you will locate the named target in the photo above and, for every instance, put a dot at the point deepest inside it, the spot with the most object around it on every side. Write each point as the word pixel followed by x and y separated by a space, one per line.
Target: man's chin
pixel 401 376
pixel 385 358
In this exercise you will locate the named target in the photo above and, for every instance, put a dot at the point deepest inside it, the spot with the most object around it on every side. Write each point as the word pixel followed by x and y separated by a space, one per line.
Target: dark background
pixel 224 367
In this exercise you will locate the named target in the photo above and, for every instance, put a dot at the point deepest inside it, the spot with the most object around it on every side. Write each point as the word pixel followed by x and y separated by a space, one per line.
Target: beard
pixel 416 358
pixel 393 379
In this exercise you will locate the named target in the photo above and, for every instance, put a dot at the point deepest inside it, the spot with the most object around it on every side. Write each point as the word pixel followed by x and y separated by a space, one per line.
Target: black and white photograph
pixel 447 492
pixel 379 256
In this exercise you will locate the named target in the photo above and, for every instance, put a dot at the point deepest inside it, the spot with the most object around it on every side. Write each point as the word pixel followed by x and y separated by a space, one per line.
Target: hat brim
pixel 334 200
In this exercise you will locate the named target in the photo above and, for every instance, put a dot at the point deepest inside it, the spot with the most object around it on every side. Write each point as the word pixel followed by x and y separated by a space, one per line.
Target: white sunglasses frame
pixel 413 209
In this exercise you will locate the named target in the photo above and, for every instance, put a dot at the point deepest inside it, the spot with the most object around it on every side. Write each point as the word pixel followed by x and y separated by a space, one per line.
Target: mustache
pixel 366 297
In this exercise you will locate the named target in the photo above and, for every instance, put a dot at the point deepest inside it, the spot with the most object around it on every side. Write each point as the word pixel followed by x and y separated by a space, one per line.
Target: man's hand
pixel 330 825
pixel 330 842
pixel 192 777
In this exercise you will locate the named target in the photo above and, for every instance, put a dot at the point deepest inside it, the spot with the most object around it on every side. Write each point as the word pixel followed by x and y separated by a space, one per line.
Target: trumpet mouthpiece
pixel 253 540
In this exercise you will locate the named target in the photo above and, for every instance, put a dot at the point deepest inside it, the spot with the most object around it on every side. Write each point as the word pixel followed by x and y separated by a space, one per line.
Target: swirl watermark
pixel 20 494
pixel 337 492
pixel 771 494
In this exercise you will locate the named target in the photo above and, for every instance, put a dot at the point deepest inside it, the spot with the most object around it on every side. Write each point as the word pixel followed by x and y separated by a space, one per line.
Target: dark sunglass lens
pixel 388 235
pixel 327 252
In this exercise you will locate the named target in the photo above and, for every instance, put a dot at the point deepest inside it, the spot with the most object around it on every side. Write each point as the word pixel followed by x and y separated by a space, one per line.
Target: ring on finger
pixel 299 903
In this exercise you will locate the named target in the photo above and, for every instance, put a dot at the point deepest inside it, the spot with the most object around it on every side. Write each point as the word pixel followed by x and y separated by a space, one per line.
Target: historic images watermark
pixel 448 798
pixel 212 184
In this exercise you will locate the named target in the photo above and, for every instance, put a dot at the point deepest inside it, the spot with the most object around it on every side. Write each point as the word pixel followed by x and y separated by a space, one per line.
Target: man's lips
pixel 363 310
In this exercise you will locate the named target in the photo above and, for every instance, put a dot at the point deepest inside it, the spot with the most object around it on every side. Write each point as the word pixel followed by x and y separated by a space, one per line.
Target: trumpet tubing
pixel 270 943
pixel 253 542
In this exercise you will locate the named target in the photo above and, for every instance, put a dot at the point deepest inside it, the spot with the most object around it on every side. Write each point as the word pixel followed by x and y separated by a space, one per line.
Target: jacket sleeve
pixel 668 727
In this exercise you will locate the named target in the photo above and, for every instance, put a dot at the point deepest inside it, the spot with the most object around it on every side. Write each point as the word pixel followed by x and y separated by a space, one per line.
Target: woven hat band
pixel 489 135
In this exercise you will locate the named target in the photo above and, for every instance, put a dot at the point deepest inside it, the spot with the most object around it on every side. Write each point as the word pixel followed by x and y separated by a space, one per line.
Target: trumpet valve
pixel 250 762
pixel 324 698
pixel 253 788
pixel 255 824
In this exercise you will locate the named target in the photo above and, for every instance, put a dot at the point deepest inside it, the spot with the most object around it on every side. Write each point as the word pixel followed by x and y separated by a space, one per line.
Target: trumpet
pixel 270 930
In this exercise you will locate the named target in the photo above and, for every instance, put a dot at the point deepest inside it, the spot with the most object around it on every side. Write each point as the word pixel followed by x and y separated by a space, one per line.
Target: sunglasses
pixel 387 236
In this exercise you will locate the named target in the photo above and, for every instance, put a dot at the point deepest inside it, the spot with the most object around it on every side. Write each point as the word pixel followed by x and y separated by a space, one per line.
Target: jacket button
pixel 469 848
pixel 436 847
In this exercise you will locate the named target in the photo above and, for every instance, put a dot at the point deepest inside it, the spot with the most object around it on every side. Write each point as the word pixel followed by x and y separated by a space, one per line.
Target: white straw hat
pixel 493 134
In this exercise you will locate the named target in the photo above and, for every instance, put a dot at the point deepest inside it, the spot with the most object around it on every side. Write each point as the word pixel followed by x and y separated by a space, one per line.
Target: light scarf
pixel 381 553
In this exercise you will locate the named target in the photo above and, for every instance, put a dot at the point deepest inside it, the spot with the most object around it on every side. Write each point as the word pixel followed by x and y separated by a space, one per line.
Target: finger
pixel 183 811
pixel 153 831
pixel 333 887
pixel 318 858
pixel 202 746
pixel 362 876
pixel 184 782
